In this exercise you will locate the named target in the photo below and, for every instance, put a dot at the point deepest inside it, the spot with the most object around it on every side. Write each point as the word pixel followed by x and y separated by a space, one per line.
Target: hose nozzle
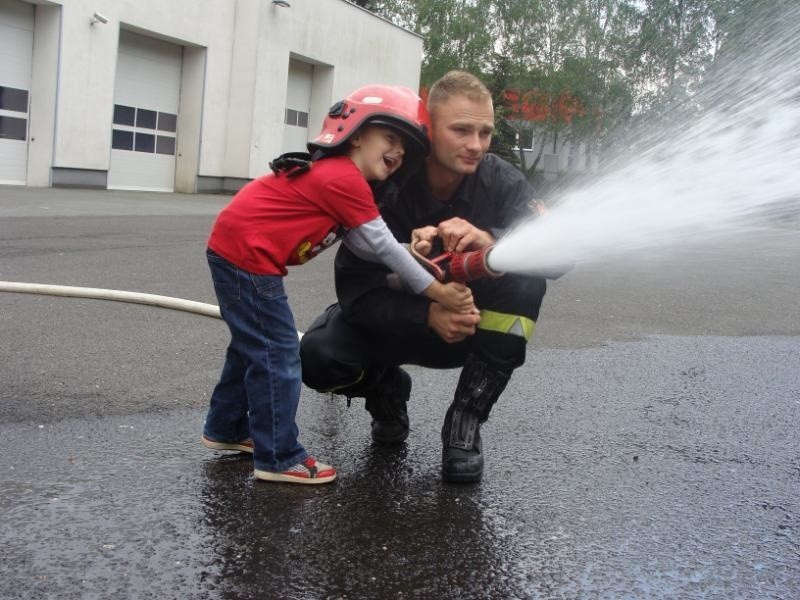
pixel 459 266
pixel 468 266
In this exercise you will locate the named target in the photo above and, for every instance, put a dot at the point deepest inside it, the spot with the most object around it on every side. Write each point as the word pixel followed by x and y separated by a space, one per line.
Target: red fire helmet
pixel 392 106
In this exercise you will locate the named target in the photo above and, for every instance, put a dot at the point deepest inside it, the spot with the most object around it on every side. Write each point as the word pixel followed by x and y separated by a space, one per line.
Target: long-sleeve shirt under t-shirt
pixel 277 221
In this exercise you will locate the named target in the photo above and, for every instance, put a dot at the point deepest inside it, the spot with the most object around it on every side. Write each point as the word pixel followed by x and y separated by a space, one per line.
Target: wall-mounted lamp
pixel 281 3
pixel 98 18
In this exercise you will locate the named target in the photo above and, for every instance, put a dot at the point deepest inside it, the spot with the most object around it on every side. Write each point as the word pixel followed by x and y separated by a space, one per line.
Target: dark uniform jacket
pixel 492 199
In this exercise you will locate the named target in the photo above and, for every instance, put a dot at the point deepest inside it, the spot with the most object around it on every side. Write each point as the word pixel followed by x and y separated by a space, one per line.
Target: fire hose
pixel 198 308
pixel 450 266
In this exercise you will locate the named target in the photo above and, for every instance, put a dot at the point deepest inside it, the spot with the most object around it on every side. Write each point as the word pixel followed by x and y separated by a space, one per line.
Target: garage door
pixel 146 97
pixel 16 57
pixel 298 101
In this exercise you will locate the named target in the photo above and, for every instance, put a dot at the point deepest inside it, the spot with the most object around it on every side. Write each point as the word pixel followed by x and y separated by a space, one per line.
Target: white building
pixel 183 95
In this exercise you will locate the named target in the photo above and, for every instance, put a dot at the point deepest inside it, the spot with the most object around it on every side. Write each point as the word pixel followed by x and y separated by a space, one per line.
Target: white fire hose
pixel 198 308
pixel 190 306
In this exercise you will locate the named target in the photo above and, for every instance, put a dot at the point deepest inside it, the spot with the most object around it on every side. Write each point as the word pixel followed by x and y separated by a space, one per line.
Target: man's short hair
pixel 457 83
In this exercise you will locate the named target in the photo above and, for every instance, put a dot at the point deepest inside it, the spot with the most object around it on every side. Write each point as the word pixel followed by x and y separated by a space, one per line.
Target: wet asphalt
pixel 647 449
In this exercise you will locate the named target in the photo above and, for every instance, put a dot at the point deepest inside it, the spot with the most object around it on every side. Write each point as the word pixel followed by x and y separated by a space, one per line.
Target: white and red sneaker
pixel 308 472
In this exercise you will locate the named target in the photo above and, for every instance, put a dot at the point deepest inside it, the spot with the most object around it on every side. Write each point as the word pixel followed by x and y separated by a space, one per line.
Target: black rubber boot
pixel 386 402
pixel 479 386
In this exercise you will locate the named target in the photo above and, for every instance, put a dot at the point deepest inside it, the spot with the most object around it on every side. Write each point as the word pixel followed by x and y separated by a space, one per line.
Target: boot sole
pixel 390 441
pixel 462 477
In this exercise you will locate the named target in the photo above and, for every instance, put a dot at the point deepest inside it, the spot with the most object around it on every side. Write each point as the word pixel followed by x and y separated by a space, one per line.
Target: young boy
pixel 287 218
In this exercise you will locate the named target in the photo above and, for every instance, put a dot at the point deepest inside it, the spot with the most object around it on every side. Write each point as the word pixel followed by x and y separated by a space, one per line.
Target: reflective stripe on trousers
pixel 507 323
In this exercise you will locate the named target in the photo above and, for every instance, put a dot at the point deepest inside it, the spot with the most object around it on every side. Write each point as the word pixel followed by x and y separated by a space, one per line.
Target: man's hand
pixel 422 239
pixel 452 327
pixel 459 235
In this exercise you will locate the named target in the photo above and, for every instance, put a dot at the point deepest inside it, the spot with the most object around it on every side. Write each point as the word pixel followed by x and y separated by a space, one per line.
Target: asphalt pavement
pixel 647 449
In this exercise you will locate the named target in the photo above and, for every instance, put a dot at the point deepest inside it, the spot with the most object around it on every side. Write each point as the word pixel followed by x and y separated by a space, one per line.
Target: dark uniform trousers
pixel 336 354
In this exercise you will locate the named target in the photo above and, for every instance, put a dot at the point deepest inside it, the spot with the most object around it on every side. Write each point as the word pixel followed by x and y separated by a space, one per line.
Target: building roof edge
pixel 380 18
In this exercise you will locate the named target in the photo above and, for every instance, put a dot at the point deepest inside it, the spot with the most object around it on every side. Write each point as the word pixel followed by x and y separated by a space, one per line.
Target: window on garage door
pixel 297 118
pixel 13 113
pixel 140 129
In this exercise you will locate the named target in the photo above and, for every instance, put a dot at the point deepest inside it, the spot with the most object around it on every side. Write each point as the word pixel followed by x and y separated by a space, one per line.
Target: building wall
pixel 569 158
pixel 233 84
pixel 348 47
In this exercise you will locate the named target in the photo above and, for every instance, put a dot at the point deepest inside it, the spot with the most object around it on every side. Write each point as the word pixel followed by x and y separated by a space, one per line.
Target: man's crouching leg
pixel 509 309
pixel 333 357
pixel 387 403
pixel 386 391
pixel 479 386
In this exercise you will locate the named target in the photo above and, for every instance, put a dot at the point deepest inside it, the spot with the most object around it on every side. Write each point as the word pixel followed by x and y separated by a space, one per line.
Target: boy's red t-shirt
pixel 274 221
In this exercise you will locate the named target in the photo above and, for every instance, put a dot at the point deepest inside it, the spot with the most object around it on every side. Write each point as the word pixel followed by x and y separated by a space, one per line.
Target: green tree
pixel 673 45
pixel 595 67
pixel 593 74
pixel 454 36
pixel 549 50
pixel 504 138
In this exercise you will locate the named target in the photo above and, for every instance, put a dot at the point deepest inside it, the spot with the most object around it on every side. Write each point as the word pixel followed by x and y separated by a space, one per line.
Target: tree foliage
pixel 593 66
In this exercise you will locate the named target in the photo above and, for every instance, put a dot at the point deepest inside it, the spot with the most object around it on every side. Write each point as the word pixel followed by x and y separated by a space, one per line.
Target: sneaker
pixel 243 446
pixel 307 472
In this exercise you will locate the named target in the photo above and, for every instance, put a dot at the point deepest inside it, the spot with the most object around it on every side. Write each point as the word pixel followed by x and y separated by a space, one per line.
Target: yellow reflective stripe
pixel 505 323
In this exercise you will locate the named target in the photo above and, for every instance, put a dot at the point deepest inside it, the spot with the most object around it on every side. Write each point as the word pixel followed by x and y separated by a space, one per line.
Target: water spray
pixel 728 167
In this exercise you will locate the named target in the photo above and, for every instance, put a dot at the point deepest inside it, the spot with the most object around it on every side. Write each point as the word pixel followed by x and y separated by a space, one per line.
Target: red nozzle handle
pixel 468 266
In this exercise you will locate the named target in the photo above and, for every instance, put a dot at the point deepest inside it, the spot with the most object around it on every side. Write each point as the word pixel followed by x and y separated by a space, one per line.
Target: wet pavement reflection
pixel 667 467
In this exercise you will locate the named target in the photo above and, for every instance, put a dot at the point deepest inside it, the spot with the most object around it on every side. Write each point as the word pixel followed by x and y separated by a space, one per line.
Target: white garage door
pixel 146 97
pixel 298 102
pixel 16 57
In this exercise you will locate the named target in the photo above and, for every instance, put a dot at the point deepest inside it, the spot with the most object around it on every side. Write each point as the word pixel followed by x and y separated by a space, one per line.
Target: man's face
pixel 461 133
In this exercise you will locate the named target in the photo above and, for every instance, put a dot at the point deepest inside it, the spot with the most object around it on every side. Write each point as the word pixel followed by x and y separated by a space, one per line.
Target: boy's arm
pixel 373 242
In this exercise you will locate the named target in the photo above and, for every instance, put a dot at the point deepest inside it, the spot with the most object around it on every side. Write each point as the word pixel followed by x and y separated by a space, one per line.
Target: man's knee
pixel 511 294
pixel 330 352
pixel 316 360
pixel 509 311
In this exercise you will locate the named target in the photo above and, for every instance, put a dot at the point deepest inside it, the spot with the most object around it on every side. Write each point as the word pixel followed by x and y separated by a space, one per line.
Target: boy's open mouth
pixel 390 161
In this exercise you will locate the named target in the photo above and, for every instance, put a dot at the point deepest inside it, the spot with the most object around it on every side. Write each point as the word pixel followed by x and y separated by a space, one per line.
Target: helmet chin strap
pixel 291 163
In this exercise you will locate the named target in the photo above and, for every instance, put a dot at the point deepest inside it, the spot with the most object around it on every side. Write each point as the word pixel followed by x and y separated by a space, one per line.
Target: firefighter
pixel 461 201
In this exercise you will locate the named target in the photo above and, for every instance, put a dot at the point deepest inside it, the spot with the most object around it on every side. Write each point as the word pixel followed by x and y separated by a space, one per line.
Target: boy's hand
pixel 455 297
pixel 422 239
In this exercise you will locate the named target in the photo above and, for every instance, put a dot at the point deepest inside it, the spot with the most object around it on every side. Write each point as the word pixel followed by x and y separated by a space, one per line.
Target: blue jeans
pixel 259 389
